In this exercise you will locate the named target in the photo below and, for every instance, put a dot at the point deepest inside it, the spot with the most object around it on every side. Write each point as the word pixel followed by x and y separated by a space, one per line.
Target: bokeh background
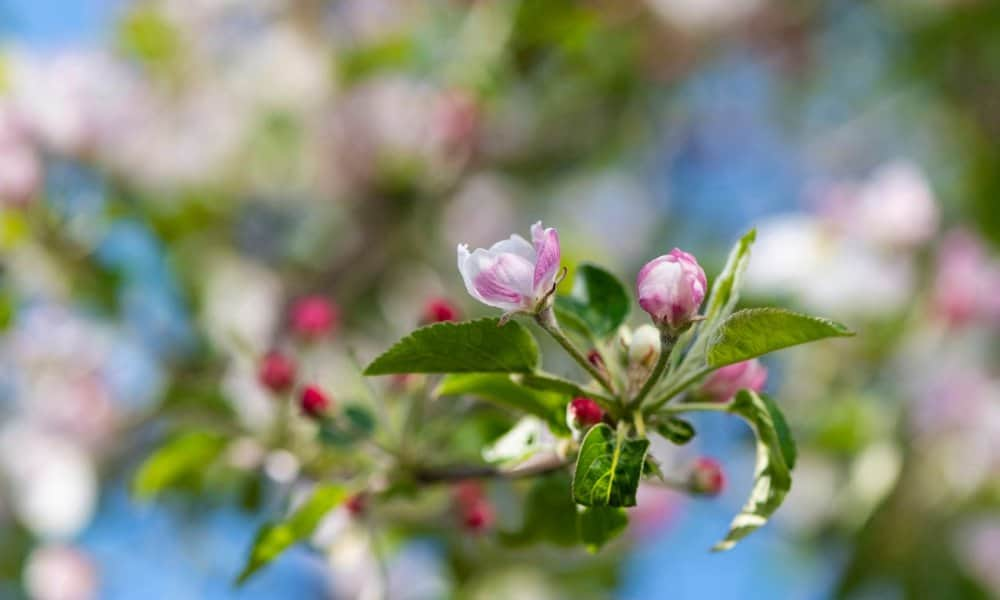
pixel 174 172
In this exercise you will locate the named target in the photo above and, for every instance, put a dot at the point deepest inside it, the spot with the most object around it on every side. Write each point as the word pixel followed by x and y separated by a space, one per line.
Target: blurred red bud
pixel 707 477
pixel 277 372
pixel 313 316
pixel 314 402
pixel 438 310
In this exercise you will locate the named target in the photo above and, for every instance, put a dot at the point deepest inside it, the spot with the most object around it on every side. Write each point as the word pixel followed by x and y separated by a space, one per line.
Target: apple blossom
pixel 313 316
pixel 723 384
pixel 438 310
pixel 583 412
pixel 644 347
pixel 276 372
pixel 671 288
pixel 314 401
pixel 513 275
pixel 706 477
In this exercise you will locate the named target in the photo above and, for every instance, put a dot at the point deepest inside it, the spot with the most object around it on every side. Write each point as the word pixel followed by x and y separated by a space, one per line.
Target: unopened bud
pixel 723 384
pixel 439 310
pixel 671 289
pixel 277 372
pixel 314 402
pixel 706 477
pixel 582 413
pixel 313 317
pixel 644 350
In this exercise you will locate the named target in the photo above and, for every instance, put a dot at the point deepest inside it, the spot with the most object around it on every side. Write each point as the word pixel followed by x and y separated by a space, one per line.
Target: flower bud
pixel 478 517
pixel 474 508
pixel 513 275
pixel 438 310
pixel 314 402
pixel 594 357
pixel 582 413
pixel 706 477
pixel 671 288
pixel 356 504
pixel 313 316
pixel 644 349
pixel 723 384
pixel 277 372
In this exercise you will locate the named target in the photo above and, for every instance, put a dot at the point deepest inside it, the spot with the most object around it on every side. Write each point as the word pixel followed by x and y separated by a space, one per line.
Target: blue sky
pixel 55 23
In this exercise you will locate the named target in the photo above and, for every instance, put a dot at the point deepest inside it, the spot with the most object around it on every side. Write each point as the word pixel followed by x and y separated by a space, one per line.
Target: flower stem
pixel 546 319
pixel 667 341
pixel 640 424
pixel 678 388
pixel 696 406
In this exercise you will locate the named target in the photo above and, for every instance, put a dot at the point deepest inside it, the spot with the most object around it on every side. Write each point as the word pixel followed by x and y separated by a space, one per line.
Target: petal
pixel 515 245
pixel 500 280
pixel 547 255
pixel 467 269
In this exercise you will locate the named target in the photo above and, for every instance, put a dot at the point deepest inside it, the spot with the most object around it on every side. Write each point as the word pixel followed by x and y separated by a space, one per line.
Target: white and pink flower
pixel 513 275
pixel 723 384
pixel 671 288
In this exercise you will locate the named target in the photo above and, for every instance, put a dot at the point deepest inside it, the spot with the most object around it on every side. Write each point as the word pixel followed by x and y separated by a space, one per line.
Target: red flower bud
pixel 357 504
pixel 277 372
pixel 479 517
pixel 594 357
pixel 314 402
pixel 706 477
pixel 438 310
pixel 314 316
pixel 584 412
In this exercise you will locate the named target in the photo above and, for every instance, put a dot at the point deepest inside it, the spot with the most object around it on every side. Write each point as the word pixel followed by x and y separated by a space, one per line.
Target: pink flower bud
pixel 479 517
pixel 583 412
pixel 277 372
pixel 473 506
pixel 706 477
pixel 314 316
pixel 438 310
pixel 671 288
pixel 314 402
pixel 512 275
pixel 723 384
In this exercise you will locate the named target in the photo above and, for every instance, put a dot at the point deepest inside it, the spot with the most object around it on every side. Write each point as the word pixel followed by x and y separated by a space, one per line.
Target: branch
pixel 435 475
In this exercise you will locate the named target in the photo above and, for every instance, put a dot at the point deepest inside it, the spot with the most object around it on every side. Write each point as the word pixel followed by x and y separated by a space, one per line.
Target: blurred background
pixel 175 173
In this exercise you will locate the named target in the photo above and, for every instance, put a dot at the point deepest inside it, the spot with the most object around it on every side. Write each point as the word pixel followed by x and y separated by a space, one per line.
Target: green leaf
pixel 480 346
pixel 608 468
pixel 757 331
pixel 274 538
pixel 353 424
pixel 597 525
pixel 549 514
pixel 676 430
pixel 504 390
pixel 184 455
pixel 597 299
pixel 772 475
pixel 361 420
pixel 721 301
pixel 785 440
pixel 726 288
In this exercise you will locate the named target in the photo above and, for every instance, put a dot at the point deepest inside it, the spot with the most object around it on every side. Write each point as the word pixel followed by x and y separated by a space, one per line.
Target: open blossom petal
pixel 513 274
pixel 547 253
